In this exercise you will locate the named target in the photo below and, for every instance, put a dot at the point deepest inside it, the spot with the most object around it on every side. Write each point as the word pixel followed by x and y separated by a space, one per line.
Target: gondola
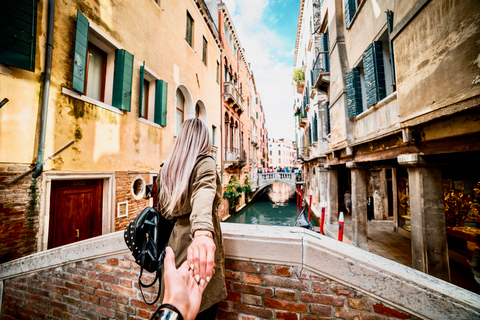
pixel 302 222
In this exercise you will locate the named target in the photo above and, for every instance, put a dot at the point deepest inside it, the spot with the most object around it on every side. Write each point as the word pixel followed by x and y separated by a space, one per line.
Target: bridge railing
pixel 277 176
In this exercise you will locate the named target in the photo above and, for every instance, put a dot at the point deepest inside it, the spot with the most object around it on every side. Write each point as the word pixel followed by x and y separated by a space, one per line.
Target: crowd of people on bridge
pixel 275 169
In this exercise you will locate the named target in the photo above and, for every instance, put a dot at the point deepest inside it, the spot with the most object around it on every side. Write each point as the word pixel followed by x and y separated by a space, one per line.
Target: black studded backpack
pixel 147 237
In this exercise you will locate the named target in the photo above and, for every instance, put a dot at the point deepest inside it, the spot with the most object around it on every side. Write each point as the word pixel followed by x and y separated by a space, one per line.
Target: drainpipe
pixel 46 90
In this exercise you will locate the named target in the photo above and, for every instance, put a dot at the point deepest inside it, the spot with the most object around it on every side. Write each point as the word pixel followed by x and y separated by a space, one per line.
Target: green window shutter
pixel 324 47
pixel 122 80
pixel 140 96
pixel 390 44
pixel 354 92
pixel 327 117
pixel 307 96
pixel 80 58
pixel 315 127
pixel 18 29
pixel 374 73
pixel 161 92
pixel 350 9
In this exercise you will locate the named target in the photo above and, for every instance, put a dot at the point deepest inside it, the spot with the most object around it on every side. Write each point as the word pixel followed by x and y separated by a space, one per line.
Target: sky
pixel 267 30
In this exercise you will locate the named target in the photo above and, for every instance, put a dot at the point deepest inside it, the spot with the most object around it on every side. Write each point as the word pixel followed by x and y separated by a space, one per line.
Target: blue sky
pixel 267 30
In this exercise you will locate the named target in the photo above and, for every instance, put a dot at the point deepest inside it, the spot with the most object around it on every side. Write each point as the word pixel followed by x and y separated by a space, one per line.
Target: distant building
pixel 282 153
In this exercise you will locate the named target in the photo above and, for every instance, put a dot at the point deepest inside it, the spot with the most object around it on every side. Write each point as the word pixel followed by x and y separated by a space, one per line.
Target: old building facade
pixel 400 121
pixel 241 105
pixel 105 95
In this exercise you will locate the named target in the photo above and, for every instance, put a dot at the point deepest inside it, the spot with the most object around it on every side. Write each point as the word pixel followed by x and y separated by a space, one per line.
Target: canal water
pixel 276 206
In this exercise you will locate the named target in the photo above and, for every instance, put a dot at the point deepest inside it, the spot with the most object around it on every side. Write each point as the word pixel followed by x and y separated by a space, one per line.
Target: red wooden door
pixel 75 211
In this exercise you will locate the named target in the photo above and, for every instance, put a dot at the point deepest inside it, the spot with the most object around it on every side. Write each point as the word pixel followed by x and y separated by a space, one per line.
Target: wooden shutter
pixel 140 95
pixel 315 127
pixel 80 57
pixel 390 44
pixel 324 47
pixel 18 29
pixel 161 103
pixel 122 80
pixel 374 73
pixel 350 9
pixel 354 92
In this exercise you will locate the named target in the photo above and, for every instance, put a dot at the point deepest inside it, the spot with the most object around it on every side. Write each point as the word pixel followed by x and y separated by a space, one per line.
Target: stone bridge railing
pixel 265 179
pixel 272 273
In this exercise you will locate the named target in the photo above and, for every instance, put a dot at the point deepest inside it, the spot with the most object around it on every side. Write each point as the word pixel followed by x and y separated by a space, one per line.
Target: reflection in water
pixel 276 206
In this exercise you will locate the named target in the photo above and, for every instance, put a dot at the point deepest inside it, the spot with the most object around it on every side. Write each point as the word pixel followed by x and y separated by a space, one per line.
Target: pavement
pixel 385 242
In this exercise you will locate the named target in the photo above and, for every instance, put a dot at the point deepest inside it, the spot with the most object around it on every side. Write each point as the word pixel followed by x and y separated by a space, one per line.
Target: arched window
pixel 197 110
pixel 179 112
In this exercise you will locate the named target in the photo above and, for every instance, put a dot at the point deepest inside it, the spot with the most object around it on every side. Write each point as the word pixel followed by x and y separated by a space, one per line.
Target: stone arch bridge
pixel 266 179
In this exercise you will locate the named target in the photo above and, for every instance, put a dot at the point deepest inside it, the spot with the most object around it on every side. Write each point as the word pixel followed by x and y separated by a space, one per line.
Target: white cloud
pixel 265 50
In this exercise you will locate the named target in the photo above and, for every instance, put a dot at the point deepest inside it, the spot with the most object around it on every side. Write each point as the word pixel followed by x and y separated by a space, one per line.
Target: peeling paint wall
pixel 436 57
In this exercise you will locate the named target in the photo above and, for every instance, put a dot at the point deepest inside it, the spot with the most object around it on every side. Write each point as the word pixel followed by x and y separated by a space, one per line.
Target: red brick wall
pixel 97 289
pixel 108 288
pixel 281 292
pixel 124 181
pixel 19 207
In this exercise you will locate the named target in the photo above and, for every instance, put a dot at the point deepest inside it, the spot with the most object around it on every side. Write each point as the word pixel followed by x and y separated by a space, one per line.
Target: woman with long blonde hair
pixel 190 191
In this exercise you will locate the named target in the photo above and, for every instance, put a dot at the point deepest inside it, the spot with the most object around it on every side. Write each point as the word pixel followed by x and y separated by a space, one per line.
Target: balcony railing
pixel 235 156
pixel 322 65
pixel 231 94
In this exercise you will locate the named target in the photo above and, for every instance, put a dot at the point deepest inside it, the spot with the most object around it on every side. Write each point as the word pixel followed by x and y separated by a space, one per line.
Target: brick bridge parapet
pixel 272 273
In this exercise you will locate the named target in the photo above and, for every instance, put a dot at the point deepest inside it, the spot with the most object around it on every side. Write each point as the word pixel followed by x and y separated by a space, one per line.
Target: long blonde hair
pixel 192 141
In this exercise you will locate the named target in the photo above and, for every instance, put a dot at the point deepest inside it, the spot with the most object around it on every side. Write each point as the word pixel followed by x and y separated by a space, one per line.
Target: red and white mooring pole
pixel 322 220
pixel 340 227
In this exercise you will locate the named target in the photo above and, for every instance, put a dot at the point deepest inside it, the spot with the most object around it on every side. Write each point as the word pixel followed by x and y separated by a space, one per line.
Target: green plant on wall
pixel 298 74
pixel 247 187
pixel 233 192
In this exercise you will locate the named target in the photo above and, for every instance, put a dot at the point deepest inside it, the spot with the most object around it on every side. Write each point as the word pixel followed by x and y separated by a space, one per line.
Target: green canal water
pixel 276 206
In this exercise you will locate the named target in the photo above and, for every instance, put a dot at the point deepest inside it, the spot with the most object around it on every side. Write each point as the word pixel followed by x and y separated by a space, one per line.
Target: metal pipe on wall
pixel 46 90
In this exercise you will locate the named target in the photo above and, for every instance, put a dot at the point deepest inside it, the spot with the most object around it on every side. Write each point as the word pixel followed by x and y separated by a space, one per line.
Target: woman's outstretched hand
pixel 181 289
pixel 201 257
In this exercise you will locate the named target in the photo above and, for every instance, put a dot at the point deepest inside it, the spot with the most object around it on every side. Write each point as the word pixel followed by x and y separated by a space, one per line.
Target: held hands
pixel 201 256
pixel 181 289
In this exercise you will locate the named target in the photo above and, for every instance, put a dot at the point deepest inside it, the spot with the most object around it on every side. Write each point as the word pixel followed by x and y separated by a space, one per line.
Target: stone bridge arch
pixel 266 179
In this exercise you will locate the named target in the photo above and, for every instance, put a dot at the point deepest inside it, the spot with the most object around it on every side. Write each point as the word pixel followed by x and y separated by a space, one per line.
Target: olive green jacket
pixel 200 212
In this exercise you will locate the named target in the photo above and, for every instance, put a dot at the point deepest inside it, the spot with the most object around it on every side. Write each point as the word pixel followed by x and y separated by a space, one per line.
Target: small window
pixel 204 56
pixel 189 33
pixel 96 71
pixel 214 132
pixel 102 70
pixel 218 72
pixel 153 97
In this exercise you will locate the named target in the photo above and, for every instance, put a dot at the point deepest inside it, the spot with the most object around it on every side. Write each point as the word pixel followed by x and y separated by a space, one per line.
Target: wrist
pixel 202 232
pixel 176 310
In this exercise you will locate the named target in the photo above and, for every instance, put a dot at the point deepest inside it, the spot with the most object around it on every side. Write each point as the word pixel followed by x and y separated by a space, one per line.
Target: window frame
pixel 104 71
pixel 107 44
pixel 189 35
pixel 205 51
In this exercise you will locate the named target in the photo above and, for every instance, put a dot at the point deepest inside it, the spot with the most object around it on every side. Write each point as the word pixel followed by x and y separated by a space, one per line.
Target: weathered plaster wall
pixel 437 59
pixel 107 140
